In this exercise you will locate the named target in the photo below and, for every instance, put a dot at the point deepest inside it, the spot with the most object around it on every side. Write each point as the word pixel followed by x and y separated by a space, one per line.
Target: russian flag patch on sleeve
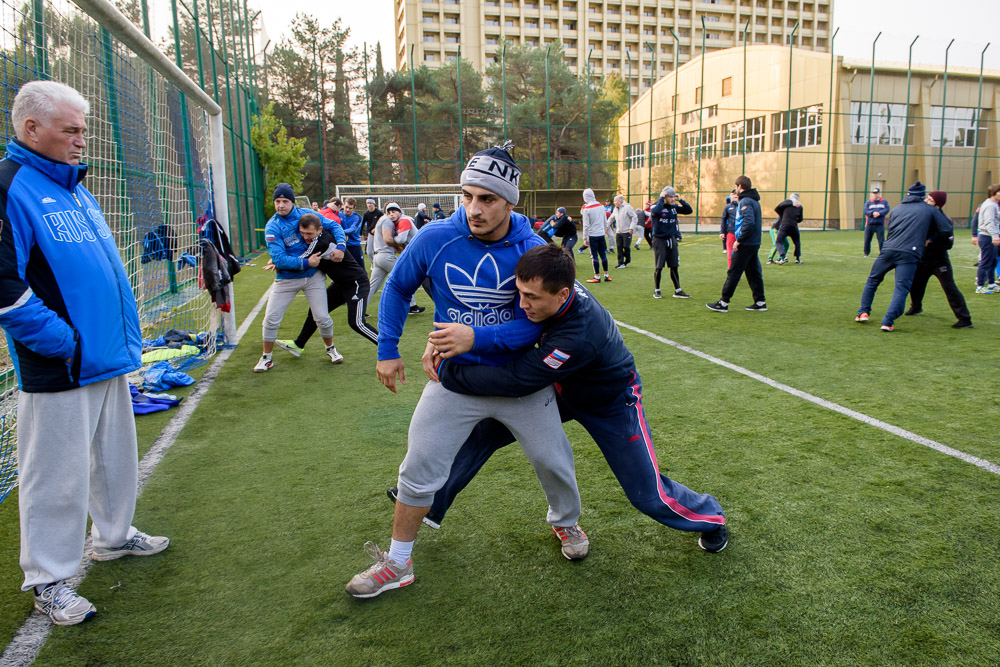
pixel 556 359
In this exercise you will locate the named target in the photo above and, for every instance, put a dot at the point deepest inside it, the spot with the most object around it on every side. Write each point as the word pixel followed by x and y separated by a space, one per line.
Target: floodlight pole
pixel 701 125
pixel 649 158
pixel 743 167
pixel 461 133
pixel 673 140
pixel 368 115
pixel 628 148
pixel 548 129
pixel 588 114
pixel 503 79
pixel 871 103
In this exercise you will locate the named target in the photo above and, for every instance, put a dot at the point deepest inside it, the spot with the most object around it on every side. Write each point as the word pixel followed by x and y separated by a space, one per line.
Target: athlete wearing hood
pixel 469 261
pixel 595 227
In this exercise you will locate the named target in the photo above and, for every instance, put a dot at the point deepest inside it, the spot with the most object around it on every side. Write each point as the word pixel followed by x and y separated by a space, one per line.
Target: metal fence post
pixel 368 116
pixel 979 120
pixel 503 83
pixel 41 52
pixel 588 114
pixel 871 103
pixel 944 110
pixel 906 127
pixel 673 130
pixel 461 133
pixel 652 80
pixel 829 134
pixel 628 147
pixel 701 127
pixel 788 120
pixel 548 127
pixel 413 101
pixel 743 167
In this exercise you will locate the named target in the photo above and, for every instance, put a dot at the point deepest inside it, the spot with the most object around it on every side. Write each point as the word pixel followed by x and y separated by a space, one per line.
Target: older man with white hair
pixel 627 222
pixel 72 326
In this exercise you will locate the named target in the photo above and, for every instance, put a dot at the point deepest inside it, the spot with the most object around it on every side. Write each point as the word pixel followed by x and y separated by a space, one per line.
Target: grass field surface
pixel 849 545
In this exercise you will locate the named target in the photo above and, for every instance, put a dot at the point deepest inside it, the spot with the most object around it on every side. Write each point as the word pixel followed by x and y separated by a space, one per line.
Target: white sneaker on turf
pixel 63 605
pixel 264 364
pixel 335 357
pixel 384 575
pixel 575 545
pixel 141 544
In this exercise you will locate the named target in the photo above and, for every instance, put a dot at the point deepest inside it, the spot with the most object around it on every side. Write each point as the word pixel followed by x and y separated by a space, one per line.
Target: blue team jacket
pixel 287 249
pixel 64 293
pixel 471 282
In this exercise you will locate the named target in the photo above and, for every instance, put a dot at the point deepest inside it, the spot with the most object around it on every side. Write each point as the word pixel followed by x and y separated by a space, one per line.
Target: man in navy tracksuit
pixel 745 249
pixel 911 227
pixel 73 334
pixel 666 237
pixel 875 211
pixel 582 353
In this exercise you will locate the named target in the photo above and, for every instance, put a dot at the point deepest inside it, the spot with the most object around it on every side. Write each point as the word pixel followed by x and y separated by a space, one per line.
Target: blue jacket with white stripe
pixel 66 304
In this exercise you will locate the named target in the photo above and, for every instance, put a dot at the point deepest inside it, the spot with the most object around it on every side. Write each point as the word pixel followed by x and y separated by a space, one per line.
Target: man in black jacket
pixel 368 221
pixel 666 236
pixel 789 216
pixel 745 249
pixel 935 262
pixel 582 352
pixel 912 224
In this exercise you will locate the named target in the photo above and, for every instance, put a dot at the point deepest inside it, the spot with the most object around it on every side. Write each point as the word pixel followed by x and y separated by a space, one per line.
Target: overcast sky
pixel 972 23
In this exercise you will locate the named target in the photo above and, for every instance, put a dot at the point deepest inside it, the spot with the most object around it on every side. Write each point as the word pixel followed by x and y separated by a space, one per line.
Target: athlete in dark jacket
pixel 935 262
pixel 582 352
pixel 911 226
pixel 789 216
pixel 744 259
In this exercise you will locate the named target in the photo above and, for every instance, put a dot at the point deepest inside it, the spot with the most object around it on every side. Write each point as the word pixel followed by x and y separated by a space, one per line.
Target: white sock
pixel 266 355
pixel 399 552
pixel 724 303
pixel 760 303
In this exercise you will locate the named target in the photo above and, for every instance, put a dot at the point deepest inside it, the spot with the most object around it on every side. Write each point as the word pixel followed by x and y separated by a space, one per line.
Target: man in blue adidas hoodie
pixel 73 333
pixel 350 221
pixel 582 353
pixel 745 258
pixel 296 270
pixel 469 260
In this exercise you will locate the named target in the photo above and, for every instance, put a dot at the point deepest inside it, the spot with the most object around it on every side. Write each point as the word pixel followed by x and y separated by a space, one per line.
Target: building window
pixel 732 136
pixel 960 127
pixel 430 57
pixel 451 57
pixel 704 140
pixel 697 95
pixel 888 123
pixel 532 42
pixel 711 19
pixel 569 25
pixel 451 38
pixel 635 156
pixel 430 37
pixel 451 19
pixel 659 149
pixel 727 86
pixel 493 4
pixel 800 128
pixel 491 22
pixel 430 18
pixel 707 112
pixel 491 41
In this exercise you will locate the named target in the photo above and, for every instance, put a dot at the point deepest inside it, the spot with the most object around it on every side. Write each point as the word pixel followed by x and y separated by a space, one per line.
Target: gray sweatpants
pixel 77 454
pixel 282 293
pixel 443 420
pixel 382 263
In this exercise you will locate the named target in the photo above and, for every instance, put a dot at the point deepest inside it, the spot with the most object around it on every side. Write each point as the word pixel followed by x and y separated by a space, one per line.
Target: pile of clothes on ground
pixel 148 396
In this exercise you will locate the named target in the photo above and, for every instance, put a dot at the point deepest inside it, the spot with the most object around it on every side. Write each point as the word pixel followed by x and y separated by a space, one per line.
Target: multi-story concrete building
pixel 614 33
pixel 814 124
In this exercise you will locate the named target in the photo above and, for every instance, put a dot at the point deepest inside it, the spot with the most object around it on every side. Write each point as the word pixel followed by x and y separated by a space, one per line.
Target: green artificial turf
pixel 849 545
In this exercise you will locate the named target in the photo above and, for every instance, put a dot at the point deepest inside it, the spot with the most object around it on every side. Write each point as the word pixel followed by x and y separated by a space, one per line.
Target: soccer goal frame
pixel 407 197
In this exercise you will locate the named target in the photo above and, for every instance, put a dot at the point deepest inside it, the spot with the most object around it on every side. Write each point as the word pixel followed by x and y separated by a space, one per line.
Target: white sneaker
pixel 263 365
pixel 575 544
pixel 335 357
pixel 657 294
pixel 63 605
pixel 141 544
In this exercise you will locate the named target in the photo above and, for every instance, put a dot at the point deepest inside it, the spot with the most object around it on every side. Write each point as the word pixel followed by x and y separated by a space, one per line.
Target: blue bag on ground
pixel 162 376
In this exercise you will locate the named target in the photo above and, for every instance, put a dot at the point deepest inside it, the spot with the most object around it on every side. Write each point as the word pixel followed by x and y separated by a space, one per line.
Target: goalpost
pixel 156 162
pixel 408 197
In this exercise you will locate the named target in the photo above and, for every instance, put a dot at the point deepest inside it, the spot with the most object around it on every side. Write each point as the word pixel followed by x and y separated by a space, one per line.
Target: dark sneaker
pixel 63 605
pixel 607 278
pixel 759 307
pixel 913 311
pixel 575 544
pixel 714 541
pixel 962 324
pixel 416 310
pixel 798 261
pixel 718 307
pixel 430 520
pixel 657 294
pixel 384 575
pixel 681 294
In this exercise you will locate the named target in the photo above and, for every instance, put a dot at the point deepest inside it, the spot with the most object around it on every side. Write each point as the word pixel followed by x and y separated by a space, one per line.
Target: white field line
pixel 822 402
pixel 31 636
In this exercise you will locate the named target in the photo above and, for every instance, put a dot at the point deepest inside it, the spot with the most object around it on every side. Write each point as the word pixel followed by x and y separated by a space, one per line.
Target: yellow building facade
pixel 812 123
